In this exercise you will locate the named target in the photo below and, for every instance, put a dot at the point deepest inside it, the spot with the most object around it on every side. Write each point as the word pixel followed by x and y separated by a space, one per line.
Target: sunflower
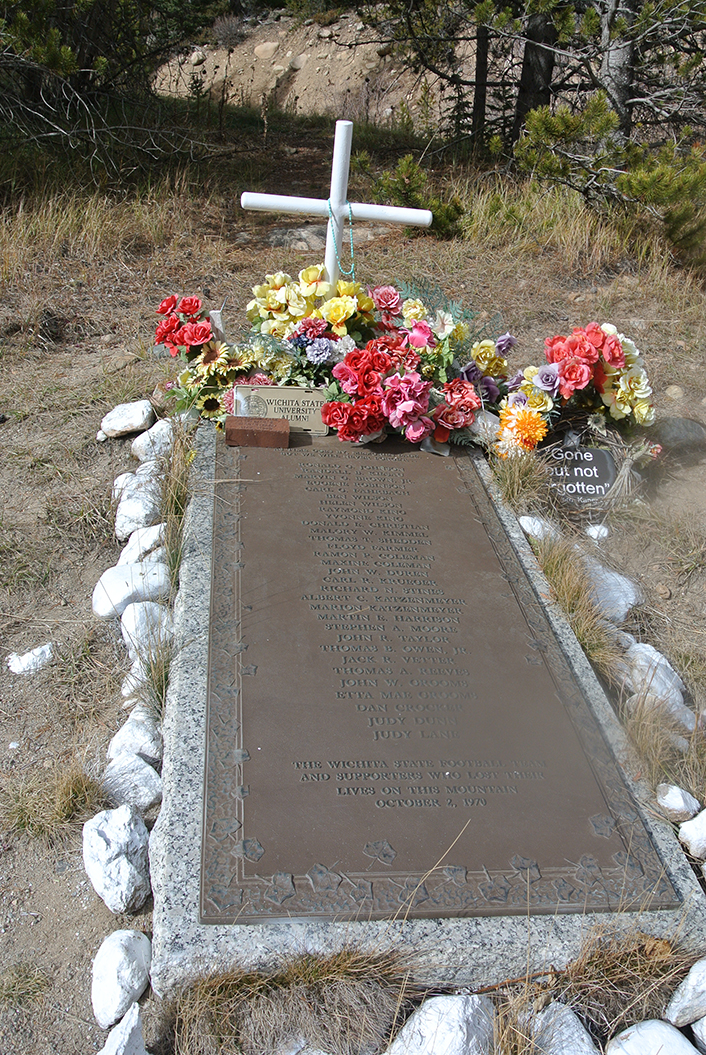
pixel 209 404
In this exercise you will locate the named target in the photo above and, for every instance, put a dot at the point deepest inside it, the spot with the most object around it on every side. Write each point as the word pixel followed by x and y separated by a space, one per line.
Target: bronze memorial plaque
pixel 393 728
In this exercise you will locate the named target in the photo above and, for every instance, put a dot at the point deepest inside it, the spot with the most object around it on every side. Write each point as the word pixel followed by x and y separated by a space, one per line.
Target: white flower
pixel 443 324
pixel 609 329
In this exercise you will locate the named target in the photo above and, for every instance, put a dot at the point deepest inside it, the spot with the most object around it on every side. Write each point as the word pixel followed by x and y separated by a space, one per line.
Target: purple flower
pixel 488 389
pixel 515 381
pixel 300 341
pixel 547 378
pixel 471 372
pixel 505 343
pixel 517 399
pixel 319 351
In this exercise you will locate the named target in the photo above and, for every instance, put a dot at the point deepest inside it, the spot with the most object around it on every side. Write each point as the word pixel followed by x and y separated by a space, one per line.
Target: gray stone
pixel 146 627
pixel 447 1025
pixel 139 505
pixel 115 858
pixel 613 594
pixel 127 583
pixel 157 442
pixel 650 1038
pixel 558 1031
pixel 678 805
pixel 198 57
pixel 138 737
pixel 142 545
pixel 121 971
pixel 32 661
pixel 126 1037
pixel 688 1002
pixel 128 417
pixel 679 435
pixel 128 779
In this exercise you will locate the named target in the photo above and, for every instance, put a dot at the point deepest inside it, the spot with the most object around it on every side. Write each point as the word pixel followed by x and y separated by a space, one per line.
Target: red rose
pixel 167 306
pixel 368 382
pixel 196 333
pixel 356 360
pixel 573 374
pixel 613 353
pixel 556 349
pixel 374 416
pixel 595 334
pixel 189 306
pixel 355 426
pixel 335 414
pixel 461 395
pixel 452 417
pixel 387 343
pixel 165 327
pixel 581 347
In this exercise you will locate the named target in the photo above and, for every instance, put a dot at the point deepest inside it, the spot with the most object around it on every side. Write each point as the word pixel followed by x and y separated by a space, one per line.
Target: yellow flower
pixel 354 289
pixel 634 384
pixel 487 359
pixel 337 310
pixel 312 282
pixel 209 405
pixel 461 331
pixel 618 405
pixel 281 328
pixel 540 401
pixel 413 309
pixel 530 372
pixel 644 412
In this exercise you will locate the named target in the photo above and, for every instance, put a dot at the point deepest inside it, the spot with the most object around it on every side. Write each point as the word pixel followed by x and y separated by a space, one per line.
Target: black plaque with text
pixel 393 729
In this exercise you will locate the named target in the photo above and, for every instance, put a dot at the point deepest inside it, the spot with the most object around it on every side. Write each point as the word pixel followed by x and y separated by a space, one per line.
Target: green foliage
pixel 408 186
pixel 584 151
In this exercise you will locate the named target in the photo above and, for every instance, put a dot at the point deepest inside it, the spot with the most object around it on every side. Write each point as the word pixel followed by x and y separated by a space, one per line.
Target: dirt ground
pixel 83 346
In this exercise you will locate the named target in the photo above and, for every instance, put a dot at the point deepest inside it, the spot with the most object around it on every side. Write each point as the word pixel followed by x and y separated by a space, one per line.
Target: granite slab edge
pixel 475 952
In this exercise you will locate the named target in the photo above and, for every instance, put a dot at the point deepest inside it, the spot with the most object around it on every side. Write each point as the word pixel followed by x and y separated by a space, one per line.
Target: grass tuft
pixel 524 481
pixel 152 690
pixel 49 807
pixel 344 1003
pixel 22 983
pixel 561 563
pixel 87 673
pixel 175 498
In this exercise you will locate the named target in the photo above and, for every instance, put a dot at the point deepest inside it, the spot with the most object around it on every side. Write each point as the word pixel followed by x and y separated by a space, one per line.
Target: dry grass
pixel 152 690
pixel 524 481
pixel 619 980
pixel 667 754
pixel 21 984
pixel 175 497
pixel 344 1003
pixel 684 540
pixel 563 567
pixel 87 673
pixel 50 806
pixel 22 566
pixel 82 520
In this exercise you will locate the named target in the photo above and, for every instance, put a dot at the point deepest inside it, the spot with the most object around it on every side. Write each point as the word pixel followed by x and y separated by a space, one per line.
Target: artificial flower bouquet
pixel 389 361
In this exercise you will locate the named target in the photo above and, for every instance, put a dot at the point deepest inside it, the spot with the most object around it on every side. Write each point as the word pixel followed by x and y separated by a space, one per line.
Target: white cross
pixel 337 204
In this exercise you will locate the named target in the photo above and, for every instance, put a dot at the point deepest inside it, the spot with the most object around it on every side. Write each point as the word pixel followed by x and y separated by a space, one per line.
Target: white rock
pixel 613 594
pixel 648 672
pixel 133 680
pixel 115 858
pixel 30 662
pixel 126 1037
pixel 650 1038
pixel 688 1002
pixel 693 835
pixel 558 1031
pixel 101 436
pixel 699 1031
pixel 138 737
pixel 118 587
pixel 198 57
pixel 157 442
pixel 138 506
pixel 646 702
pixel 486 426
pixel 597 531
pixel 538 527
pixel 129 780
pixel 676 803
pixel 121 971
pixel 119 485
pixel 447 1025
pixel 146 627
pixel 142 543
pixel 266 50
pixel 128 417
pixel 151 468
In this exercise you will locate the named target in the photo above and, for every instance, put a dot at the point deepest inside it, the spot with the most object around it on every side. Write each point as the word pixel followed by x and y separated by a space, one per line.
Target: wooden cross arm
pixel 318 207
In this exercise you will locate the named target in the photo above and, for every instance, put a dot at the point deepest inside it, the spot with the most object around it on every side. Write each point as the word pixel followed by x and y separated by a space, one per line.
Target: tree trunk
pixel 535 88
pixel 616 71
pixel 480 94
